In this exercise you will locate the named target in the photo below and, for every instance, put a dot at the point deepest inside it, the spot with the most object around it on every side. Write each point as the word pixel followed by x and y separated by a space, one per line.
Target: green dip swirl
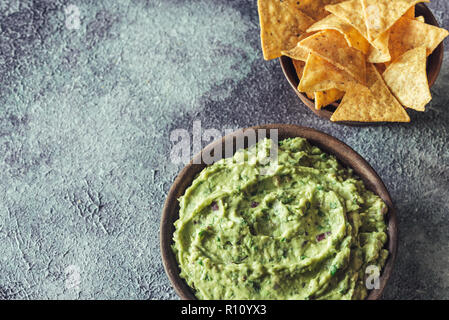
pixel 307 229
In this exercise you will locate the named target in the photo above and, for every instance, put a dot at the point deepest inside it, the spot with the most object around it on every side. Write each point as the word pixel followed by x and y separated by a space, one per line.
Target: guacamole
pixel 306 229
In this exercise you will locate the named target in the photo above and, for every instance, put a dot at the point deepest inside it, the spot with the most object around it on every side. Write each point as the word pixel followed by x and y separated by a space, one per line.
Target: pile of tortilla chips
pixel 370 54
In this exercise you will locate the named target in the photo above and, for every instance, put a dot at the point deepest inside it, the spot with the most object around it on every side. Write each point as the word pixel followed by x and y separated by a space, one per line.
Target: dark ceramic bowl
pixel 329 144
pixel 434 62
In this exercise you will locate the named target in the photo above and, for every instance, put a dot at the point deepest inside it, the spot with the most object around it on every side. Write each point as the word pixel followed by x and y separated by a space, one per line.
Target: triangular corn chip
pixel 407 34
pixel 352 12
pixel 380 15
pixel 298 52
pixel 299 67
pixel 370 104
pixel 324 98
pixel 331 46
pixel 364 105
pixel 393 110
pixel 281 24
pixel 421 19
pixel 320 75
pixel 372 75
pixel 352 36
pixel 380 52
pixel 381 67
pixel 407 79
pixel 410 13
pixel 315 8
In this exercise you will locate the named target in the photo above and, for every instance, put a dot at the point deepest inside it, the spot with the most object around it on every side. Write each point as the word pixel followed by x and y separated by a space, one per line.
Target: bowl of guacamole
pixel 313 222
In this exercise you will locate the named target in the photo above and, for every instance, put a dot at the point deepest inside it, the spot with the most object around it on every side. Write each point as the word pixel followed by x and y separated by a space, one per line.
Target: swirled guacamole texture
pixel 302 228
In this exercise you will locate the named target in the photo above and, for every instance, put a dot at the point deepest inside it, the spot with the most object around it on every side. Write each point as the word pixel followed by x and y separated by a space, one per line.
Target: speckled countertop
pixel 86 110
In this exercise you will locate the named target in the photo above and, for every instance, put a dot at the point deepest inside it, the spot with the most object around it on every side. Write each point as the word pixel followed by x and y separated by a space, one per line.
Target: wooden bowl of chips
pixel 434 62
pixel 347 156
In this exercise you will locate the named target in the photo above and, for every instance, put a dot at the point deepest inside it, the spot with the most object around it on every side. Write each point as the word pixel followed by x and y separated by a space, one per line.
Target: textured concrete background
pixel 85 121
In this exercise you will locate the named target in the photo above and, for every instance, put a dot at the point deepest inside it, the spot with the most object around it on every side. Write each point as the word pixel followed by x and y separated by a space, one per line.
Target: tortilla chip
pixel 421 19
pixel 407 34
pixel 320 75
pixel 352 12
pixel 324 98
pixel 281 24
pixel 310 95
pixel 332 46
pixel 379 52
pixel 380 15
pixel 299 67
pixel 364 105
pixel 298 52
pixel 407 79
pixel 370 104
pixel 393 111
pixel 372 75
pixel 352 36
pixel 410 13
pixel 315 8
pixel 380 67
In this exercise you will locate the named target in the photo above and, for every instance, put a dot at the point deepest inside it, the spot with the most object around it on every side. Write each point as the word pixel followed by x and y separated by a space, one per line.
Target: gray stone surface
pixel 85 122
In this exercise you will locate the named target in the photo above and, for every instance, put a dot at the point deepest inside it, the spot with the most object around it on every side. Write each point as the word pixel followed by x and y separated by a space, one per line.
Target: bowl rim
pixel 434 63
pixel 327 143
